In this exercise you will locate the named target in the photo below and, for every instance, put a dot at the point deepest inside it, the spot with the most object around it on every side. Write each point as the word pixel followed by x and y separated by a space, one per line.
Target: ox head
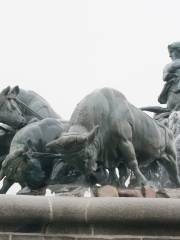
pixel 33 174
pixel 10 113
pixel 78 150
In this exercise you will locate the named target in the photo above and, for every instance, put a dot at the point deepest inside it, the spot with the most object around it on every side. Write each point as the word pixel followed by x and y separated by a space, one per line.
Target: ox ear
pixel 29 146
pixel 93 133
pixel 15 90
pixel 6 91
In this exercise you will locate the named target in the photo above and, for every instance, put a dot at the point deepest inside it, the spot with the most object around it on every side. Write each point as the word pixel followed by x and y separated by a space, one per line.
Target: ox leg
pixel 171 167
pixel 124 173
pixel 129 155
pixel 113 178
pixel 6 185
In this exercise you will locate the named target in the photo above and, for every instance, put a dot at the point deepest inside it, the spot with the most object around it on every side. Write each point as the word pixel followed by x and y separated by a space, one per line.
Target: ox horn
pixel 91 135
pixel 52 144
pixel 81 139
pixel 65 140
pixel 155 109
pixel 68 139
pixel 6 127
pixel 84 137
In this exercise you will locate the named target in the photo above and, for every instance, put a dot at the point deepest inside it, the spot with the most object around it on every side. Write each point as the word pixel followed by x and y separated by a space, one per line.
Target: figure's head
pixel 174 50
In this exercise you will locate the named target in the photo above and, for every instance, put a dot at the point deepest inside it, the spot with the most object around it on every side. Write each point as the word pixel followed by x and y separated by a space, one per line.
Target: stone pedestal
pixel 36 217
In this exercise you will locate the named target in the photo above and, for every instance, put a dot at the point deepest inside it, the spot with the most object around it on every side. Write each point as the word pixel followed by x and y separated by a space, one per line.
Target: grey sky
pixel 65 49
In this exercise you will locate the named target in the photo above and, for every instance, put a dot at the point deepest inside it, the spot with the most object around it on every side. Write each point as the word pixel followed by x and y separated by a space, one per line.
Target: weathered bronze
pixel 171 75
pixel 16 115
pixel 107 131
pixel 20 167
pixel 18 108
pixel 106 134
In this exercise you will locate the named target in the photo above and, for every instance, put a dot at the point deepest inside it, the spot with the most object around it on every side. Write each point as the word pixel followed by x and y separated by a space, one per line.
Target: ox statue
pixel 18 167
pixel 6 135
pixel 107 131
pixel 17 107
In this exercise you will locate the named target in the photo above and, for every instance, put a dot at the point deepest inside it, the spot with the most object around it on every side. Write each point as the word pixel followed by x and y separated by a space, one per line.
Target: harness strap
pixel 18 101
pixel 43 155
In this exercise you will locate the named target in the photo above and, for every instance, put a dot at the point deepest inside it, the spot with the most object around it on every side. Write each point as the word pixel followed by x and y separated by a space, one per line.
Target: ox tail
pixel 155 109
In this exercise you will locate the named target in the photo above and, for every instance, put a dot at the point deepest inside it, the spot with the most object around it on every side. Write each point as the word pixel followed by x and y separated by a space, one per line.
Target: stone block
pixel 106 191
pixel 69 228
pixel 24 209
pixel 148 192
pixel 69 209
pixel 21 236
pixel 4 236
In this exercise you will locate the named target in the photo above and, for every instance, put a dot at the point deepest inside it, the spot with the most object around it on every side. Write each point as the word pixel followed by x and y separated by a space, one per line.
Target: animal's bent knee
pixel 133 164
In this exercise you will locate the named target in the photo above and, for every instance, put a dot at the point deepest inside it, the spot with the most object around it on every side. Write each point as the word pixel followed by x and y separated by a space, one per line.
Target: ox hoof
pixel 143 182
pixel 24 191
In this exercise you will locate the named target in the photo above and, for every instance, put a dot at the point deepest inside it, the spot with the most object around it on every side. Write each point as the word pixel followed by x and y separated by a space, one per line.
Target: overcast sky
pixel 65 49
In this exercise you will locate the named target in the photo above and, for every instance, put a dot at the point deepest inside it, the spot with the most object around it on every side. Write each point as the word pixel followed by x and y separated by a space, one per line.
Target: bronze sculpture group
pixel 105 134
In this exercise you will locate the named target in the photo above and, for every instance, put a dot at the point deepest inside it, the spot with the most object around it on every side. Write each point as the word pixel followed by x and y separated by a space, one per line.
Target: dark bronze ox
pixel 18 107
pixel 6 135
pixel 106 130
pixel 29 171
